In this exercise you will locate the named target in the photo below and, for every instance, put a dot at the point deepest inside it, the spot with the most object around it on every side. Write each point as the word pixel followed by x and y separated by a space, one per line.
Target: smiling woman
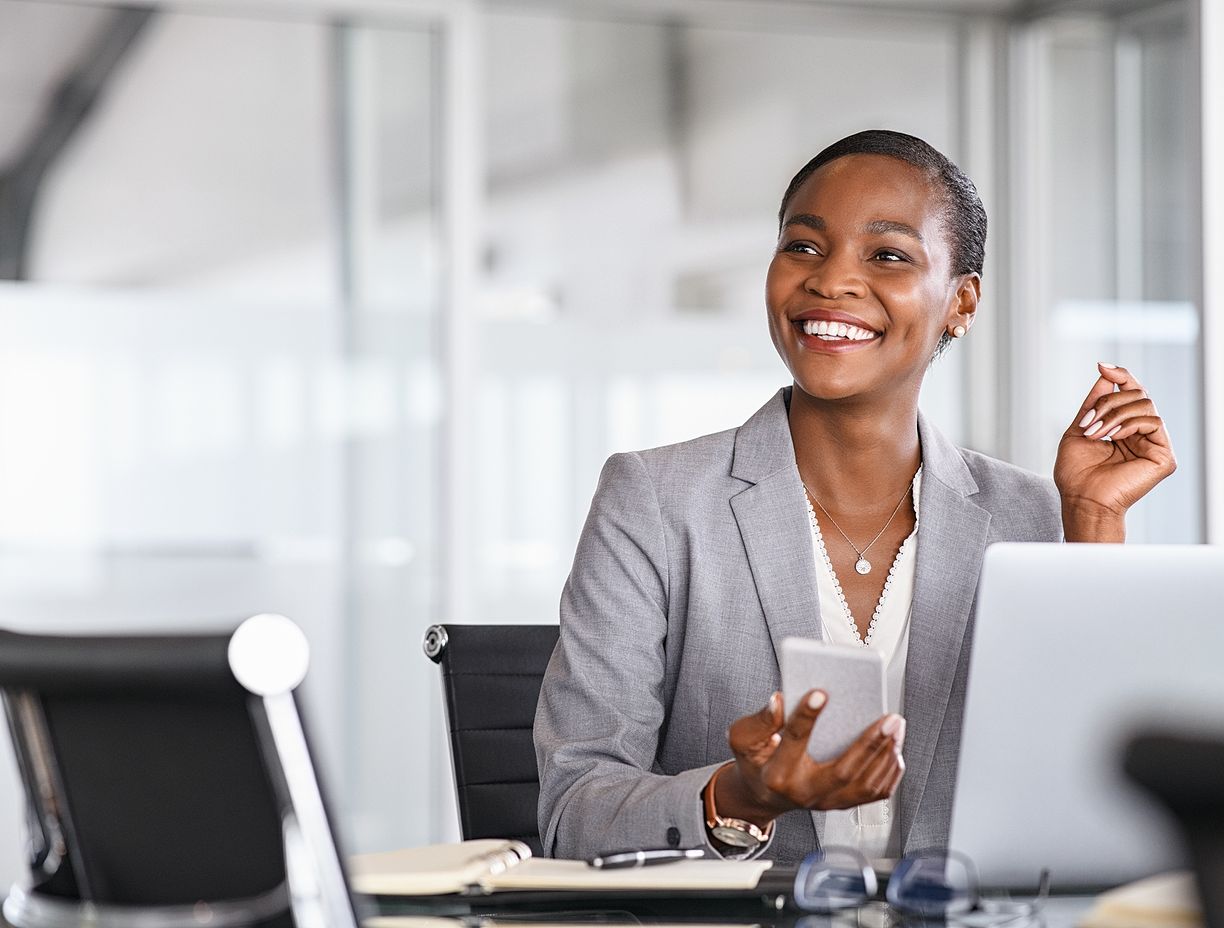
pixel 698 559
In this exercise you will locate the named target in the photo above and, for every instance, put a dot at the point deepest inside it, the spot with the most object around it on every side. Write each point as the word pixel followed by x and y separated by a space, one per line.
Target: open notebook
pixel 496 865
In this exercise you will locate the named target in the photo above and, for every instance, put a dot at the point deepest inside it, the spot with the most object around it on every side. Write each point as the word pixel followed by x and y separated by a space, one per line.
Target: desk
pixel 1057 912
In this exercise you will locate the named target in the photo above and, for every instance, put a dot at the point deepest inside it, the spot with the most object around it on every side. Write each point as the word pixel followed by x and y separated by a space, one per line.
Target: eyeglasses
pixel 933 884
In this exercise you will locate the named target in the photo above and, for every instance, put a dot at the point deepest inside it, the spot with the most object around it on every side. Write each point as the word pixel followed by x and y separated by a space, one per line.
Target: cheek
pixel 775 305
pixel 929 303
pixel 777 329
pixel 773 286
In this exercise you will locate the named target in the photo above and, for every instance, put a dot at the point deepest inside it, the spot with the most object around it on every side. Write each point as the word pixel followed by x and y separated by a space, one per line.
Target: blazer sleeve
pixel 603 701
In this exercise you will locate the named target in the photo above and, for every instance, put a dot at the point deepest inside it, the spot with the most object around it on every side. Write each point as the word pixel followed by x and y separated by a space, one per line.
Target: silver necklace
pixel 818 540
pixel 862 565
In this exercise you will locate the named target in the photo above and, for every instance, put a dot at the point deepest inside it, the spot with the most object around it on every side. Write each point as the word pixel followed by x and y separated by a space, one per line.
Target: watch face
pixel 734 836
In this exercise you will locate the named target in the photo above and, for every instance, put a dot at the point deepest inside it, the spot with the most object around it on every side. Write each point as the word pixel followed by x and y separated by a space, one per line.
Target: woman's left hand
pixel 1115 450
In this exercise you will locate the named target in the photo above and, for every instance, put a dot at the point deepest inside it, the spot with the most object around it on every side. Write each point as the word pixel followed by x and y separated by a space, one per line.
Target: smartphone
pixel 852 677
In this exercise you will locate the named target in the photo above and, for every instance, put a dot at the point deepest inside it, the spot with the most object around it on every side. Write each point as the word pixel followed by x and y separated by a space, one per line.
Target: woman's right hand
pixel 773 772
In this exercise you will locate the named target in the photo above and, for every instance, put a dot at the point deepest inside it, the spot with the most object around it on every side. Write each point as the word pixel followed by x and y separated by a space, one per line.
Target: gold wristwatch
pixel 734 832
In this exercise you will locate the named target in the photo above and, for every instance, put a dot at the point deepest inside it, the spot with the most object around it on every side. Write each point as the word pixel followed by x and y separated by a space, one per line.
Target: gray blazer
pixel 694 563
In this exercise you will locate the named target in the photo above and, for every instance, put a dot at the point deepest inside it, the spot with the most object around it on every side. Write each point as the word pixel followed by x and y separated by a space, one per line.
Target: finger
pixel 754 732
pixel 1110 413
pixel 798 729
pixel 1150 428
pixel 868 783
pixel 1110 378
pixel 883 764
pixel 883 771
pixel 892 785
pixel 1100 389
pixel 876 737
pixel 1119 376
pixel 880 758
pixel 1107 404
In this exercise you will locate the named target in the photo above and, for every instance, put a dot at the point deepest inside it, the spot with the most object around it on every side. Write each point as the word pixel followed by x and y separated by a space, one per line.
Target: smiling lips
pixel 828 331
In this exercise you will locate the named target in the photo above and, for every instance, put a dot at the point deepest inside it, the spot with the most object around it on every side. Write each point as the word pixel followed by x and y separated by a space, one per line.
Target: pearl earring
pixel 959 331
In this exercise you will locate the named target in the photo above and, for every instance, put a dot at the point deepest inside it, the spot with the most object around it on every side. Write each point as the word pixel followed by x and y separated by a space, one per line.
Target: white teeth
pixel 830 331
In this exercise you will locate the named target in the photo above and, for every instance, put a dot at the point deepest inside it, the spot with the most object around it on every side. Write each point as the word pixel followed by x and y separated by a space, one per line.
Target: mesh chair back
pixel 491 677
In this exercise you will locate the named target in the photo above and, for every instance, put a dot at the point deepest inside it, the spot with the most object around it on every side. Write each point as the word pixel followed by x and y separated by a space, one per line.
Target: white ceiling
pixel 40 39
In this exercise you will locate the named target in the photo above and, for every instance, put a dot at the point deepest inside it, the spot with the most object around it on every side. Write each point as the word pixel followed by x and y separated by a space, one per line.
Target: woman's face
pixel 861 287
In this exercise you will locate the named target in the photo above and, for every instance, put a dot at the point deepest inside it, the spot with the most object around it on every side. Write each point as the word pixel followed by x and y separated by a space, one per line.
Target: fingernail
pixel 773 703
pixel 1088 417
pixel 1107 366
pixel 775 739
pixel 1112 432
pixel 816 700
pixel 901 733
pixel 1088 432
pixel 891 724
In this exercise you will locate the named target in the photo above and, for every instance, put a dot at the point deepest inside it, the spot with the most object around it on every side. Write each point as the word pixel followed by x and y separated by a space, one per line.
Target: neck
pixel 853 456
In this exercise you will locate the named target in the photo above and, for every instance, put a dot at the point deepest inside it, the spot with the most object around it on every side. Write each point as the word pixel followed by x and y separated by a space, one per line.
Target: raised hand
pixel 1113 452
pixel 773 772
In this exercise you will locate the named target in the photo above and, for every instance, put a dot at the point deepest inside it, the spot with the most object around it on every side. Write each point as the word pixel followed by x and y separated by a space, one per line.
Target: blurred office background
pixel 335 307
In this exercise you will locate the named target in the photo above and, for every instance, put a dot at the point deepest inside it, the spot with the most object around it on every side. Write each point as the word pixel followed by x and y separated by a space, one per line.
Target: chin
pixel 829 390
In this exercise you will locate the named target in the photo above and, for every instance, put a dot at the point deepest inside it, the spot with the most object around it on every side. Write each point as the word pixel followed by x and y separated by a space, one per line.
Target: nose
pixel 837 276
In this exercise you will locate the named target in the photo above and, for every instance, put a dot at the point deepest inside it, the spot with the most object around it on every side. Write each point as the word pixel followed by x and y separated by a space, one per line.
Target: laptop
pixel 1076 649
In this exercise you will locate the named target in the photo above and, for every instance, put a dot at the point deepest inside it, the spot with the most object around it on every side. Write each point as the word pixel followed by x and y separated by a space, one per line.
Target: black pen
pixel 646 857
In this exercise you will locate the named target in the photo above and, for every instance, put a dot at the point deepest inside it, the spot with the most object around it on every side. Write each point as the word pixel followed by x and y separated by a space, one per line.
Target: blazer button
pixel 673 837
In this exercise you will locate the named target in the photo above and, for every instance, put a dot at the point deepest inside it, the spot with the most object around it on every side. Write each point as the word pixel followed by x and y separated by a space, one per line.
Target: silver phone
pixel 852 677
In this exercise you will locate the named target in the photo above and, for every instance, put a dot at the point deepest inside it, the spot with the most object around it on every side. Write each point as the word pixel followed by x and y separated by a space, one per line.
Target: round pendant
pixel 862 565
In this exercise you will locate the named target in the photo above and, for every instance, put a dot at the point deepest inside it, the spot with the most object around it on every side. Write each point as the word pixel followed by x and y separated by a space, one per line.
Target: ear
pixel 964 302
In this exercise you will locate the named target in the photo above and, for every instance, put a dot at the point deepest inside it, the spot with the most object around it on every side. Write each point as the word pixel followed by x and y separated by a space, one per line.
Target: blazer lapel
pixel 952 535
pixel 777 536
pixel 773 524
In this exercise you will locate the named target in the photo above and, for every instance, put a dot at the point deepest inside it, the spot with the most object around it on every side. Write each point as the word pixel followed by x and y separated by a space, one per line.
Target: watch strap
pixel 742 835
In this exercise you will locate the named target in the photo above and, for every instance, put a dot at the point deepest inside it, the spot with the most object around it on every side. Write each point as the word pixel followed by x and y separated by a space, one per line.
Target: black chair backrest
pixel 491 678
pixel 157 786
pixel 1187 775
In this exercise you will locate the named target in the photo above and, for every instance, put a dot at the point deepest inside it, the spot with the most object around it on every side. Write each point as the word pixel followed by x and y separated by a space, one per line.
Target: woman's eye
pixel 806 248
pixel 887 254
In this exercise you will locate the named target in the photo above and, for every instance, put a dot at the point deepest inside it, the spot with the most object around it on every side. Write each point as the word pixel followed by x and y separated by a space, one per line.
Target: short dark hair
pixel 964 214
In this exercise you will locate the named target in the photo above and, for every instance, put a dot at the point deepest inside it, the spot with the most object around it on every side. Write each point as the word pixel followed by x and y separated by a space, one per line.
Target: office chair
pixel 491 678
pixel 169 783
pixel 1187 775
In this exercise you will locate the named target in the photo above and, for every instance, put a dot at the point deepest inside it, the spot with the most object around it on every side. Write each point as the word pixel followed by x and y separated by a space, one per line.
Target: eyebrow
pixel 875 227
pixel 807 219
pixel 880 226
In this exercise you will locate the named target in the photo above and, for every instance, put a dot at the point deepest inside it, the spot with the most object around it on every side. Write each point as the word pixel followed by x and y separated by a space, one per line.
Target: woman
pixel 659 720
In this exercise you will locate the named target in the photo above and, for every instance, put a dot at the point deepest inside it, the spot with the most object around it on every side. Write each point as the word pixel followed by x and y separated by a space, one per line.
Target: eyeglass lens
pixel 933 885
pixel 833 879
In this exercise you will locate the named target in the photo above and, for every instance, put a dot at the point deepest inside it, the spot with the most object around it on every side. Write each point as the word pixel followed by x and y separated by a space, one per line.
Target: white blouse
pixel 870 828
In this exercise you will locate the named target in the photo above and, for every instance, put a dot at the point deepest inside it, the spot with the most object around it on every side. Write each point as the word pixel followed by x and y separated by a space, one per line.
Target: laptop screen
pixel 1076 648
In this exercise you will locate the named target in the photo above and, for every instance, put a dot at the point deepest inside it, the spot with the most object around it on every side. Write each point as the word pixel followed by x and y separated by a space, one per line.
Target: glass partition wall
pixel 1106 231
pixel 221 376
pixel 337 312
